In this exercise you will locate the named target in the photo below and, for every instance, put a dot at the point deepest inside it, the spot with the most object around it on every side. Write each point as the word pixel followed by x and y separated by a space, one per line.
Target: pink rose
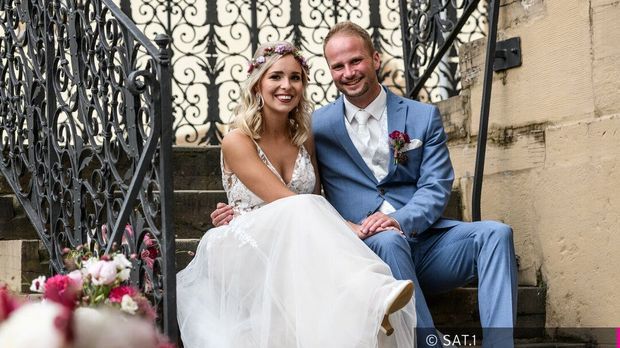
pixel 102 272
pixel 116 295
pixel 63 290
pixel 76 276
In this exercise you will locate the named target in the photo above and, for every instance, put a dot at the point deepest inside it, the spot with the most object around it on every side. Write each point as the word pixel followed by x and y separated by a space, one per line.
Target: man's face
pixel 353 68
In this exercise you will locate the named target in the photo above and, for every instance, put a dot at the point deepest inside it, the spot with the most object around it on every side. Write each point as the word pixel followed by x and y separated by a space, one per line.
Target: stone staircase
pixel 198 187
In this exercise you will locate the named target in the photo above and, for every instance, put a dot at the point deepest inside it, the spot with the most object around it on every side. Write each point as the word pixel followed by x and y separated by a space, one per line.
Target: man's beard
pixel 364 89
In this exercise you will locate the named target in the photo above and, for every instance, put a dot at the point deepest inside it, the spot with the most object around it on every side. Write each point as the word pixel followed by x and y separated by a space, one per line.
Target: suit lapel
pixel 397 120
pixel 340 131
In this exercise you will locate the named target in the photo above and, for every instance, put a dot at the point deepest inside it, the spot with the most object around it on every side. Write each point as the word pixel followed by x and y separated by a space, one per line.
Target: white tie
pixel 363 132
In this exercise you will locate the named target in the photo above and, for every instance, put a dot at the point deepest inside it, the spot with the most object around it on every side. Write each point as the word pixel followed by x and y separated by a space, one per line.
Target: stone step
pixel 197 168
pixel 193 168
pixel 456 312
pixel 468 341
pixel 198 186
pixel 192 209
pixel 549 344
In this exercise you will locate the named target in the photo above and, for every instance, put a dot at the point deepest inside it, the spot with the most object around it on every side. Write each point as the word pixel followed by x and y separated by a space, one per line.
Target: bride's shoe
pixel 402 296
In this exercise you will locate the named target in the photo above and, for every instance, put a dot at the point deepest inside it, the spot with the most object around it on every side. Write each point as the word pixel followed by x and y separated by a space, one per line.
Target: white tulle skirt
pixel 290 274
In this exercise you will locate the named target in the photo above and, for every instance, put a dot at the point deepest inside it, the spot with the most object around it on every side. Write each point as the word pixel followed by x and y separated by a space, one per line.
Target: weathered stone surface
pixel 606 56
pixel 14 224
pixel 508 149
pixel 577 200
pixel 455 116
pixel 554 83
pixel 22 261
pixel 515 13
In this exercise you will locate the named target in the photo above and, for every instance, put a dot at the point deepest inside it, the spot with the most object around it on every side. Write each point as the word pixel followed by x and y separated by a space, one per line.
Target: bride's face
pixel 281 86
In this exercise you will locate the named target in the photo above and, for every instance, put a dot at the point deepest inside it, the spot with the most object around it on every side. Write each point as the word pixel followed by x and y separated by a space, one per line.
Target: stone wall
pixel 553 157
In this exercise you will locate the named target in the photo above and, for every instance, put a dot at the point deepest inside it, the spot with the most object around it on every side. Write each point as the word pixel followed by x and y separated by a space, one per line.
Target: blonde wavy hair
pixel 248 117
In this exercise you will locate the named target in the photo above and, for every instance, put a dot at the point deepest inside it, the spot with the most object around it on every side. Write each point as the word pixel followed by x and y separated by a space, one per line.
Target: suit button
pixel 382 191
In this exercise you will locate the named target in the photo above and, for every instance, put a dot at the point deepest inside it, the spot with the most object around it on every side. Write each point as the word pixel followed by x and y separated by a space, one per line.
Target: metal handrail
pixel 484 111
pixel 423 33
pixel 86 120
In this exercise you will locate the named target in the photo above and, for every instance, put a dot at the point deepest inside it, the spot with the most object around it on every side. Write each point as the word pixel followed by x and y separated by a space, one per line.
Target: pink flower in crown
pixel 398 141
pixel 280 49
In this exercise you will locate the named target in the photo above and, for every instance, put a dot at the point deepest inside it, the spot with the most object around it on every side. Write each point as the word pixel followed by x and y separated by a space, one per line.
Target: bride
pixel 288 271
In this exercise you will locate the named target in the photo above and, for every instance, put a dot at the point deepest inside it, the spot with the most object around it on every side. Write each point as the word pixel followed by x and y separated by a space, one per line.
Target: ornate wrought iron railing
pixel 214 39
pixel 430 29
pixel 433 32
pixel 85 135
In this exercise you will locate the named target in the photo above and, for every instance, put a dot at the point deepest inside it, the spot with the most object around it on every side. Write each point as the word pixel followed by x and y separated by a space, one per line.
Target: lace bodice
pixel 243 200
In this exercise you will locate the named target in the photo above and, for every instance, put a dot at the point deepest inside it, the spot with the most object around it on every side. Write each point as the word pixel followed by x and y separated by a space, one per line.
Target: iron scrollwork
pixel 433 32
pixel 213 41
pixel 84 96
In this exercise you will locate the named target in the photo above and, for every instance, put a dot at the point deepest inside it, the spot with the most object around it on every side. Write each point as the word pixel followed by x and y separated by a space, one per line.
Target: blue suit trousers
pixel 439 260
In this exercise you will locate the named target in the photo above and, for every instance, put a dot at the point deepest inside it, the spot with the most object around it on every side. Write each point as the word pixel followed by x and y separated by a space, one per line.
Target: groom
pixel 398 198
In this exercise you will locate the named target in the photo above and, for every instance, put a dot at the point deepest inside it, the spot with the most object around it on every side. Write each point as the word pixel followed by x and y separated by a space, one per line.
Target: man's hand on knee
pixel 378 222
pixel 222 215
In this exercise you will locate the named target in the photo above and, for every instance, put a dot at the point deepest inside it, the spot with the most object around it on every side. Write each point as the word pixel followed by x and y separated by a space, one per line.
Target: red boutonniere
pixel 398 141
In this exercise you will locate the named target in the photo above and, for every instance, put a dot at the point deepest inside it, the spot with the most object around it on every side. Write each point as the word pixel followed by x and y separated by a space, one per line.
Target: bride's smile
pixel 281 86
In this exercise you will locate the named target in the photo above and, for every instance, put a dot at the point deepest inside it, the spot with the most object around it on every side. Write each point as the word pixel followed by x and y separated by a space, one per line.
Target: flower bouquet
pixel 90 306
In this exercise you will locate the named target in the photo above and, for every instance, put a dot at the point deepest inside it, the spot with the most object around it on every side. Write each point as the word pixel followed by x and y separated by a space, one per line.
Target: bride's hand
pixel 222 215
pixel 357 229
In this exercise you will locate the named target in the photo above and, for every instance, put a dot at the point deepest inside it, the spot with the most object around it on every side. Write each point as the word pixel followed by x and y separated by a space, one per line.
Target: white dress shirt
pixel 375 153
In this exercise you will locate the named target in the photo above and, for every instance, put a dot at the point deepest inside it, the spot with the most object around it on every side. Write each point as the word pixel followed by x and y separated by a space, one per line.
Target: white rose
pixel 128 305
pixel 124 274
pixel 38 285
pixel 121 262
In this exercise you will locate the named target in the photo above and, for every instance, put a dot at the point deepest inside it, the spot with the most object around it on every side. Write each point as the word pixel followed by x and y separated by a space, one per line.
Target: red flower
pixel 398 141
pixel 150 253
pixel 116 294
pixel 63 290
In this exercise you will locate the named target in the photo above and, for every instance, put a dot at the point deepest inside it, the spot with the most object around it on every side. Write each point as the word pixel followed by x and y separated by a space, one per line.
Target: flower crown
pixel 278 49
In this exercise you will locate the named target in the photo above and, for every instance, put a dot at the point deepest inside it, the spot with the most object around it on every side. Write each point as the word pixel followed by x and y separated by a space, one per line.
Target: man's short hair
pixel 350 29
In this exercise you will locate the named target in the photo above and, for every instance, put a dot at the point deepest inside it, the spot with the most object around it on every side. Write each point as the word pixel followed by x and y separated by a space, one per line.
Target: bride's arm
pixel 241 158
pixel 309 144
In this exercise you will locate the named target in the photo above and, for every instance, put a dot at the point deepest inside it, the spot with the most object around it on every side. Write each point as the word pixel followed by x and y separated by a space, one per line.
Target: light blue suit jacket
pixel 419 189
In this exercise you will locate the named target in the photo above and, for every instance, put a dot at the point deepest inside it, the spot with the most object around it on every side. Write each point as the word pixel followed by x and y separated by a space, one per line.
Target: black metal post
pixel 50 110
pixel 404 26
pixel 166 190
pixel 484 111
pixel 254 26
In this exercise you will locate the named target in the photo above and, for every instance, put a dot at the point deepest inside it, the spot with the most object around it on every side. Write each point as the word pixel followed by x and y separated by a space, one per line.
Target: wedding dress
pixel 287 274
